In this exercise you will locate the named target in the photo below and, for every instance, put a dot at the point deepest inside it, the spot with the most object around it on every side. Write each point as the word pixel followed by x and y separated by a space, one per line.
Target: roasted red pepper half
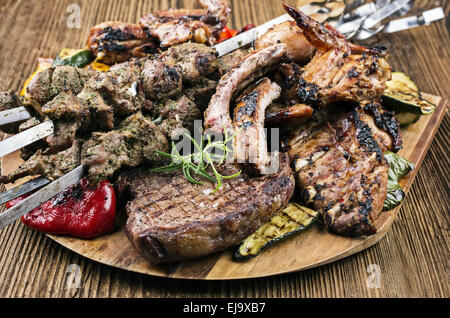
pixel 79 211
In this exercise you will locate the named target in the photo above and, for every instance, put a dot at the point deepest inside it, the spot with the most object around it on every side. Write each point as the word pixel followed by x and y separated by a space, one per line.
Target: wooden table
pixel 413 257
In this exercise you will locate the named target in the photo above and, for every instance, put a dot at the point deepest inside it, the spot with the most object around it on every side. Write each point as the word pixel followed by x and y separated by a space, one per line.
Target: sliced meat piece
pixel 292 115
pixel 120 86
pixel 188 63
pixel 102 114
pixel 50 166
pixel 340 70
pixel 174 27
pixel 63 135
pixel 9 100
pixel 341 170
pixel 116 42
pixel 196 60
pixel 48 83
pixel 171 219
pixel 133 143
pixel 337 76
pixel 227 61
pixel 219 13
pixel 39 91
pixel 66 78
pixel 249 143
pixel 175 30
pixel 177 116
pixel 201 93
pixel 161 79
pixel 298 48
pixel 217 116
pixel 66 106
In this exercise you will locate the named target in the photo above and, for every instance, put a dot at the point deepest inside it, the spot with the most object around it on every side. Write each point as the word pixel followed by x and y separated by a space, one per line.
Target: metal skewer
pixel 45 129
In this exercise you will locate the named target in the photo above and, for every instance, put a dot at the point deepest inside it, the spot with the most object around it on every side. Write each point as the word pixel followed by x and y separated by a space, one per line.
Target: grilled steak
pixel 171 219
pixel 341 170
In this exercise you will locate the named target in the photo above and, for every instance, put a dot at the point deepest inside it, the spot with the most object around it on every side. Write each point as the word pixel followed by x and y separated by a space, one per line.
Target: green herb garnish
pixel 198 162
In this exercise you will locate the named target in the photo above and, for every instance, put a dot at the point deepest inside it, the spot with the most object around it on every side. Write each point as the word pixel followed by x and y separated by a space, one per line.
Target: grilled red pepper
pixel 229 33
pixel 226 34
pixel 79 211
pixel 246 28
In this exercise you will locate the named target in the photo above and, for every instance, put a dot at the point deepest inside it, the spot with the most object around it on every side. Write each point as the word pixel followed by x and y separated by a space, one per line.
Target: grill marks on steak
pixel 171 219
pixel 341 170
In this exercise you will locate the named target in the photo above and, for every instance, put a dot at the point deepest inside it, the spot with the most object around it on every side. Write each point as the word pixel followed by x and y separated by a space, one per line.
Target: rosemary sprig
pixel 197 163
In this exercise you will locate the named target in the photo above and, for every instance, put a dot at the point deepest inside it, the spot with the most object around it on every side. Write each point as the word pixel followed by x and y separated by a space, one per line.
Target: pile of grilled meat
pixel 302 76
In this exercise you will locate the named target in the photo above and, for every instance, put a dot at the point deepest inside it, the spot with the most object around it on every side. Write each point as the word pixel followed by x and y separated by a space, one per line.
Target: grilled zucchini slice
pixel 403 96
pixel 407 118
pixel 290 221
pixel 73 57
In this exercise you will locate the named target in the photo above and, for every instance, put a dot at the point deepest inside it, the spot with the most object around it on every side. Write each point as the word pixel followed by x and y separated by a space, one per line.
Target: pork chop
pixel 171 219
pixel 341 170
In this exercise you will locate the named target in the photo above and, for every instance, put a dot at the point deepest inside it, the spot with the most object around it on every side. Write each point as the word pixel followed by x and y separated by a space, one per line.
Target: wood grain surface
pixel 313 248
pixel 413 257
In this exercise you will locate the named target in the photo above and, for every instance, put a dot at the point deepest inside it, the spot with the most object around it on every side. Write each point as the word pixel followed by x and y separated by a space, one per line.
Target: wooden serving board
pixel 309 249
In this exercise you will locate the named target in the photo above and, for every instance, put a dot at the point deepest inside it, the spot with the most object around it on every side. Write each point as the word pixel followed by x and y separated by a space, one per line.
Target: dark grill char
pixel 253 66
pixel 115 42
pixel 340 70
pixel 386 121
pixel 341 170
pixel 249 144
pixel 183 25
pixel 171 219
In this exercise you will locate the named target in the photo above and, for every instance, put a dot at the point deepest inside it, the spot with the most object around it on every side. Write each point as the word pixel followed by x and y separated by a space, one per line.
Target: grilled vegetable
pixel 398 168
pixel 292 220
pixel 98 66
pixel 403 96
pixel 79 211
pixel 407 118
pixel 72 57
